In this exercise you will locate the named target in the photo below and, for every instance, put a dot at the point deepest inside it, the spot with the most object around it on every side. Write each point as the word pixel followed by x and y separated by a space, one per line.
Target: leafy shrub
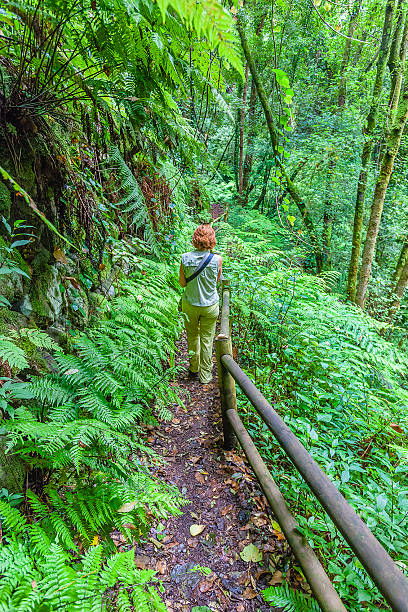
pixel 341 387
pixel 49 580
pixel 79 430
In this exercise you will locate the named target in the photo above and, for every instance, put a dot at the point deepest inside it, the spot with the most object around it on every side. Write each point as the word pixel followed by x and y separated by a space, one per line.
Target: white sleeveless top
pixel 202 290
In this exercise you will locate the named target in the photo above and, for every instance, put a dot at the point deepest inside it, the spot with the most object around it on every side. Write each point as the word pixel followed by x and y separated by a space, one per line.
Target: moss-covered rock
pixel 5 201
pixel 12 285
pixel 9 319
pixel 79 307
pixel 47 295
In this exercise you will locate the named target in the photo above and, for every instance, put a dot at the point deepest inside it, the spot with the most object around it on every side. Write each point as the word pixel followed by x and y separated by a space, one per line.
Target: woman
pixel 199 272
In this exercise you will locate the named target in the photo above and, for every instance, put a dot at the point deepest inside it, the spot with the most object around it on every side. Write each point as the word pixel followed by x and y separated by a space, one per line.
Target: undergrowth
pixel 79 431
pixel 339 385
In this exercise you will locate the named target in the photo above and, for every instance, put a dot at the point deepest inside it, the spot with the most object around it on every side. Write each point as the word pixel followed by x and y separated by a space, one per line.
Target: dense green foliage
pixel 336 382
pixel 81 426
pixel 121 123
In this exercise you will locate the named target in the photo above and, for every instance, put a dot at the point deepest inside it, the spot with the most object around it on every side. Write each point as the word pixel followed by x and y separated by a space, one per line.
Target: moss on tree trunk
pixel 398 292
pixel 367 149
pixel 381 186
pixel 290 186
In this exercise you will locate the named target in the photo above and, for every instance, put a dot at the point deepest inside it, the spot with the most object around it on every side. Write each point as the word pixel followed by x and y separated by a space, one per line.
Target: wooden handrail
pixel 389 579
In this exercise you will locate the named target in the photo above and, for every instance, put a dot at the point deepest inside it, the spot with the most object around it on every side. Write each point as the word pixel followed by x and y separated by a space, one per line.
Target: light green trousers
pixel 200 322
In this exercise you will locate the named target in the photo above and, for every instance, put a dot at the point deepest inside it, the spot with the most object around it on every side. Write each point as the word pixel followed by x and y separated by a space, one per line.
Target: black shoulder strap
pixel 200 268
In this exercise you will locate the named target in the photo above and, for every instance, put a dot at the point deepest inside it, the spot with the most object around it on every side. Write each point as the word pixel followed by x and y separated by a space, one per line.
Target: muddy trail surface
pixel 225 548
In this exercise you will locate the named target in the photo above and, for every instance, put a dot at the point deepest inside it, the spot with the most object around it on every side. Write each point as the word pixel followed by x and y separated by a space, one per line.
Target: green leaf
pixel 251 553
pixel 13 270
pixel 363 595
pixel 13 354
pixel 381 502
pixel 18 243
pixel 345 476
pixel 6 225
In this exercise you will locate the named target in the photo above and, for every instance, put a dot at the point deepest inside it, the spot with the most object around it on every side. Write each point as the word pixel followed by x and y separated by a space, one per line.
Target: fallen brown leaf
pixel 226 510
pixel 60 255
pixel 258 521
pixel 167 539
pixel 244 527
pixel 243 580
pixel 141 561
pixel 73 281
pixel 204 586
pixel 261 573
pixel 276 578
pixel 161 566
pixel 129 526
pixel 249 593
pixel 199 477
pixel 396 428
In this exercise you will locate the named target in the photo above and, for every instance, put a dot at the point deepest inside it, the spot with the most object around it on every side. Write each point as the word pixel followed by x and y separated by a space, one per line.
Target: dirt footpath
pixel 225 547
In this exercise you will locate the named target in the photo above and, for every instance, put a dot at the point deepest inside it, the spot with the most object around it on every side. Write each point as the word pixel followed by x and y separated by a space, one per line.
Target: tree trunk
pixel 291 188
pixel 396 65
pixel 241 135
pixel 249 156
pixel 398 292
pixel 342 91
pixel 360 48
pixel 260 201
pixel 396 61
pixel 381 186
pixel 403 258
pixel 367 150
pixel 328 213
pixel 236 147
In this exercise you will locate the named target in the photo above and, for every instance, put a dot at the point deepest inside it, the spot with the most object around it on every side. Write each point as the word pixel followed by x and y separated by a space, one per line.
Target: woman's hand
pixel 182 277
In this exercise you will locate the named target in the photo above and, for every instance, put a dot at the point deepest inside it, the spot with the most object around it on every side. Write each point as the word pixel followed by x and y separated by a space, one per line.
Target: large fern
pixel 55 579
pixel 290 600
pixel 82 425
pixel 134 202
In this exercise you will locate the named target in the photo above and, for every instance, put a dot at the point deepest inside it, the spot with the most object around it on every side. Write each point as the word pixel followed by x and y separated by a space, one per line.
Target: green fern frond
pixel 39 339
pixel 11 518
pixel 290 600
pixel 11 354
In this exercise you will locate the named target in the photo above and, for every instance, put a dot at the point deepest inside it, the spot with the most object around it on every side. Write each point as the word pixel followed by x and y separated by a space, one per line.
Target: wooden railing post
pixel 223 346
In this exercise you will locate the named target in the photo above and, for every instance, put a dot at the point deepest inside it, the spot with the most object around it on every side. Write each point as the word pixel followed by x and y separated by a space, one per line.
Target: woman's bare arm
pixel 220 269
pixel 182 277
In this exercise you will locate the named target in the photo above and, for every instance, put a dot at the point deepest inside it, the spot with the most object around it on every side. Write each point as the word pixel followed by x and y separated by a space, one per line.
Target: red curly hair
pixel 204 237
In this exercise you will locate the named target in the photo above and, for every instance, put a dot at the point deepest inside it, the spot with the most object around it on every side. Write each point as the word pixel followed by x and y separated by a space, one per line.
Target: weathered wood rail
pixel 389 579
